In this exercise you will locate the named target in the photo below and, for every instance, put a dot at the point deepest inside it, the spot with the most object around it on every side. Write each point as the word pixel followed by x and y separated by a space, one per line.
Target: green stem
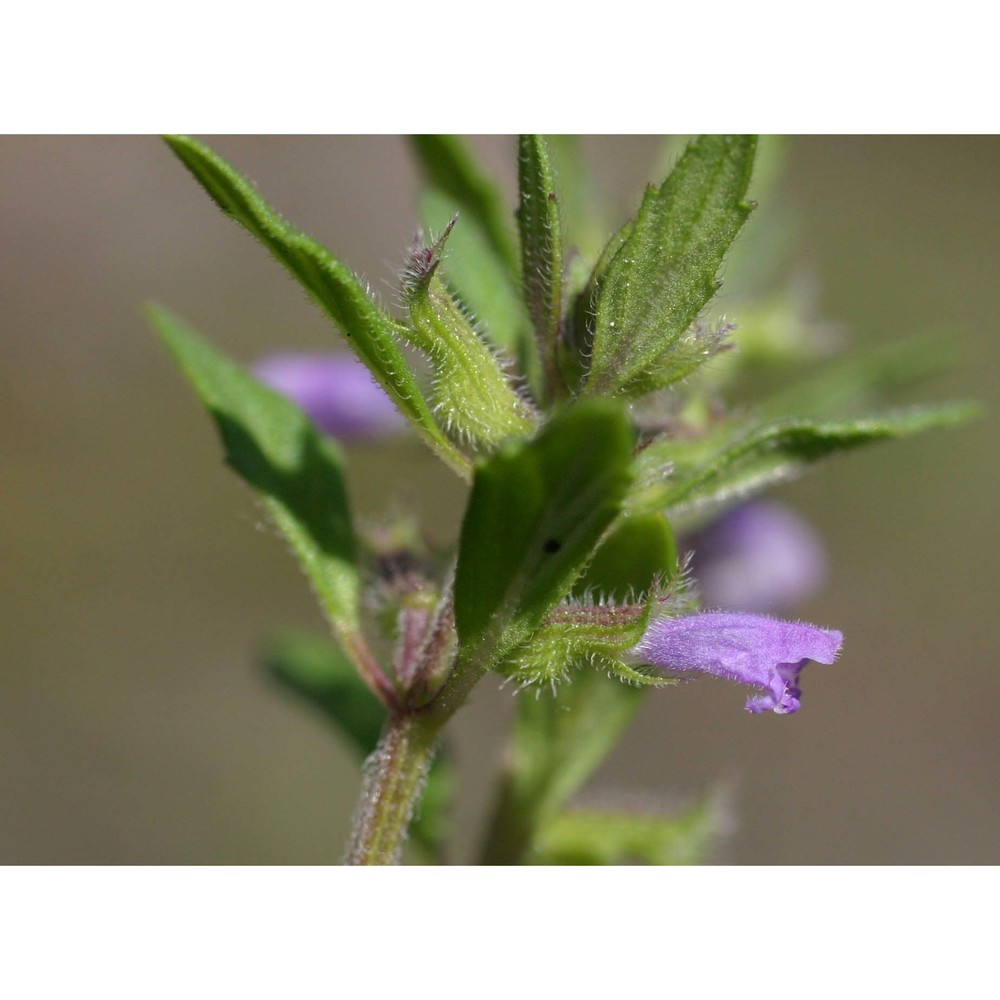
pixel 394 778
pixel 397 769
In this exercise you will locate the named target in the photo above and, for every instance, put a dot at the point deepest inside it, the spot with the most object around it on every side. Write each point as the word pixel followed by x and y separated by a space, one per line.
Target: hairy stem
pixel 394 778
pixel 397 769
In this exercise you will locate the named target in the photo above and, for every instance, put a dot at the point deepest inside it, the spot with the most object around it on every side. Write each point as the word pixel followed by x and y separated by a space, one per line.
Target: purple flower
pixel 760 556
pixel 754 649
pixel 337 393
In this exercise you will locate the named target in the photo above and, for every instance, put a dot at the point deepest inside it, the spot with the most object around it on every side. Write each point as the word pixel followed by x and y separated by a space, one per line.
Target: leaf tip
pixel 181 144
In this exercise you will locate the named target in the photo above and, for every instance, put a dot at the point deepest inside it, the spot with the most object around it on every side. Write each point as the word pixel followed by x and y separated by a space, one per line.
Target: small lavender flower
pixel 754 649
pixel 336 392
pixel 760 556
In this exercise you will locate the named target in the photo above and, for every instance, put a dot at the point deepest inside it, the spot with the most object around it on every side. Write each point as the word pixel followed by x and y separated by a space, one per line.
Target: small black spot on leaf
pixel 552 545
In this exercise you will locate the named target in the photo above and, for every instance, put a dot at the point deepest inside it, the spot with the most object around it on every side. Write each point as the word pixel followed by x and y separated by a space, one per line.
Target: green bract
pixel 483 269
pixel 473 400
pixel 579 638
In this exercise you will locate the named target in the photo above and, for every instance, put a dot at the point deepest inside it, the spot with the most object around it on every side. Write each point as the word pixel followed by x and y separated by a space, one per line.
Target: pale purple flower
pixel 763 652
pixel 760 556
pixel 335 391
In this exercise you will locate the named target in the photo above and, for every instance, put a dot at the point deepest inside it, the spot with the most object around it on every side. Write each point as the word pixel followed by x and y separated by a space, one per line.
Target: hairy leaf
pixel 608 613
pixel 297 471
pixel 681 476
pixel 665 272
pixel 474 274
pixel 369 331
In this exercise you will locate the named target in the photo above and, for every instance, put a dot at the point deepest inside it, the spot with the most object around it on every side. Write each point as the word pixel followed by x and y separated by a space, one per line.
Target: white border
pixel 465 932
pixel 635 66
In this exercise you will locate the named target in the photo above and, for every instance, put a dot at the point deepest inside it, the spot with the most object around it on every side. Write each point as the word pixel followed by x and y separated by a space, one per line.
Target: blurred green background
pixel 138 576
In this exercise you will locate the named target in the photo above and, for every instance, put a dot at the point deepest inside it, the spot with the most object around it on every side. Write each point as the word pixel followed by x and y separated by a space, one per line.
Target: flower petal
pixel 764 652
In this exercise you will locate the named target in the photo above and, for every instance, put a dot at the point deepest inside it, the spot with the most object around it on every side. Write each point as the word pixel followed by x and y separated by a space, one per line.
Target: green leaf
pixel 609 611
pixel 538 216
pixel 369 331
pixel 736 463
pixel 535 514
pixel 665 272
pixel 640 551
pixel 595 837
pixel 483 266
pixel 297 471
pixel 317 671
pixel 472 396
